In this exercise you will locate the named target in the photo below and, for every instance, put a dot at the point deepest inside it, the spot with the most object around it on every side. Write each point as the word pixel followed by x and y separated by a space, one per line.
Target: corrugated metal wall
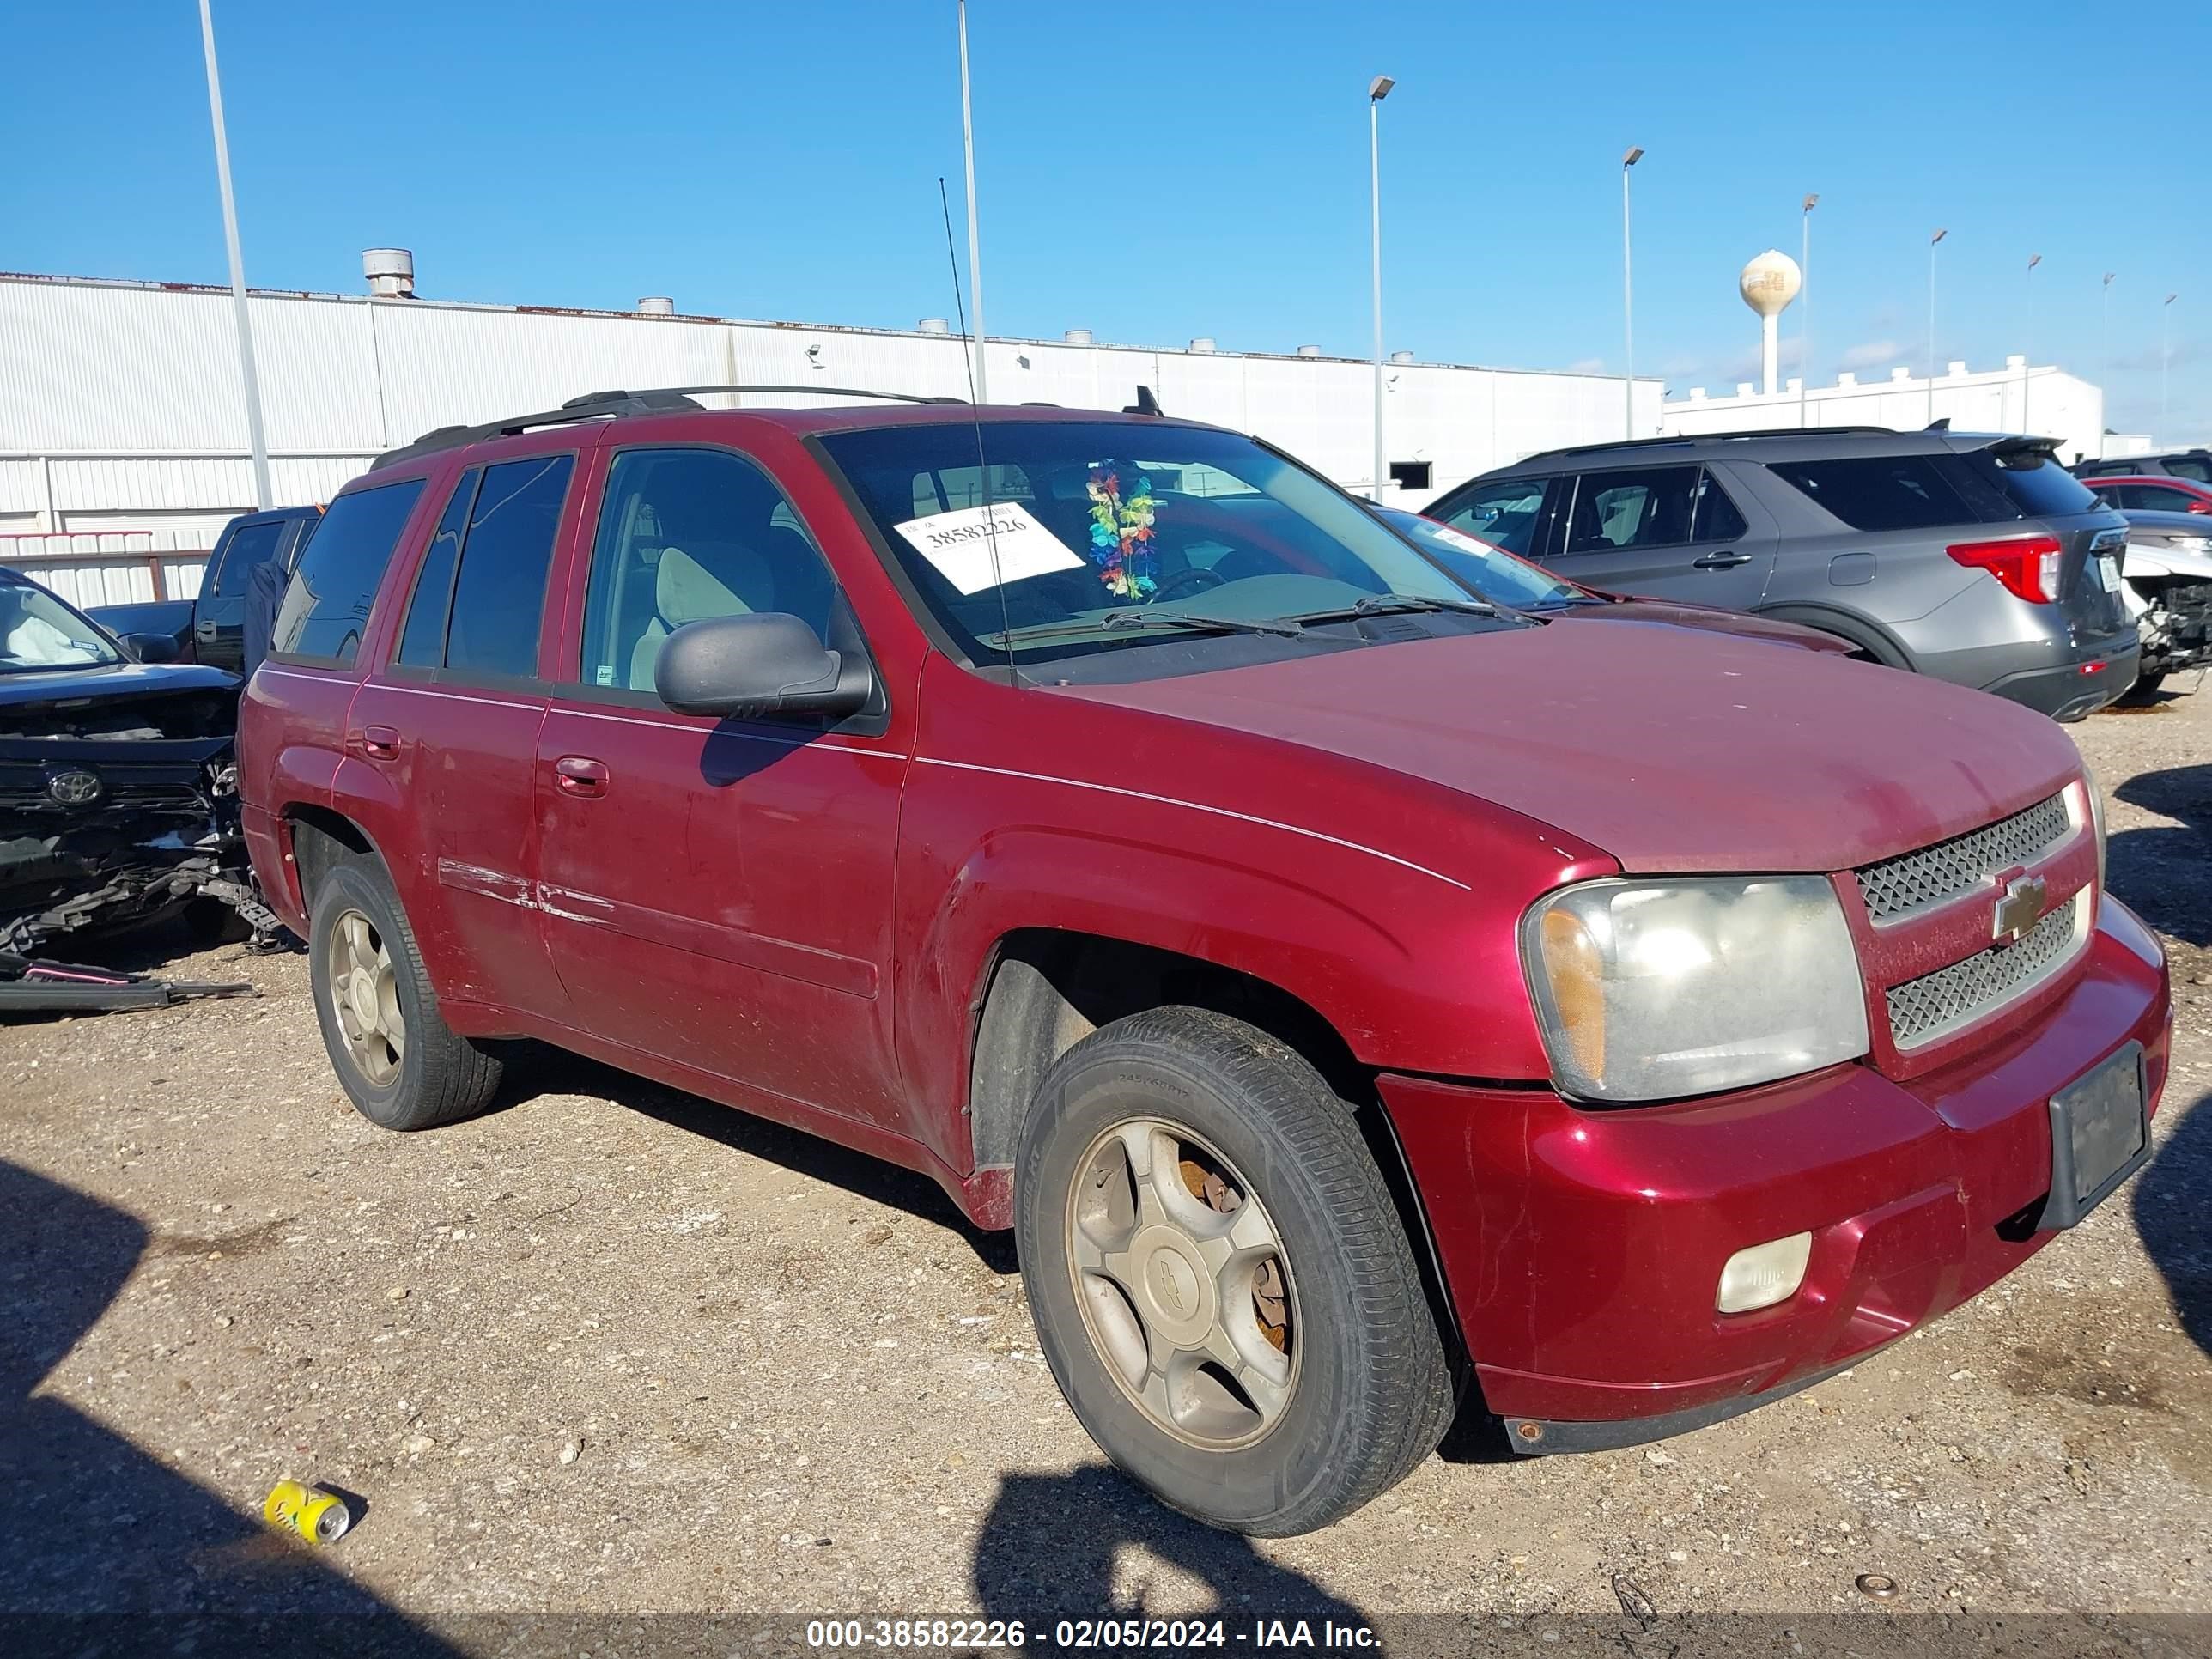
pixel 121 408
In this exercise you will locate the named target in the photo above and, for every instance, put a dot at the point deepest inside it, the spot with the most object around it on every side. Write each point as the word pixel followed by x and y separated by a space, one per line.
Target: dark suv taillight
pixel 2026 565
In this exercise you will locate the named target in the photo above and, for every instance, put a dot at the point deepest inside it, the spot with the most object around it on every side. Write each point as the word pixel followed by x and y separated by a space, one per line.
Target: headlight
pixel 2094 798
pixel 1646 990
pixel 2192 544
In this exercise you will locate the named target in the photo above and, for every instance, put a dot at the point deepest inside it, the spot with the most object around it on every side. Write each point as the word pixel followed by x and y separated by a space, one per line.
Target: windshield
pixel 37 631
pixel 1081 534
pixel 1490 571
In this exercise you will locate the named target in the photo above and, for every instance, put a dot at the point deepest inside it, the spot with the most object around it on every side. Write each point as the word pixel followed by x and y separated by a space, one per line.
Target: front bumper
pixel 1581 1247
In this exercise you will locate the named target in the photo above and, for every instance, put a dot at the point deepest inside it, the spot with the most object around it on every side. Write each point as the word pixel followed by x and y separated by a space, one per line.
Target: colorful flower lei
pixel 1121 534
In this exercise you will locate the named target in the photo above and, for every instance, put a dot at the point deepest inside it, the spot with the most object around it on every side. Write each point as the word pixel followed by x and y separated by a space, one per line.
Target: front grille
pixel 1923 1009
pixel 1913 881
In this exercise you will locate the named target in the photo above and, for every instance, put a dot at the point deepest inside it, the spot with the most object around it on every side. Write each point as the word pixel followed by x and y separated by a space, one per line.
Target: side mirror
pixel 767 665
pixel 150 647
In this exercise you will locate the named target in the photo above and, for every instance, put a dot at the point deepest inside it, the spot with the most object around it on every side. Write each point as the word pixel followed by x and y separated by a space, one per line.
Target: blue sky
pixel 1158 169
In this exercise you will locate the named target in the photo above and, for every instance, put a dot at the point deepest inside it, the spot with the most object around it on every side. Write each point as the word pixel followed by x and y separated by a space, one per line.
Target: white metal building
pixel 123 430
pixel 2017 398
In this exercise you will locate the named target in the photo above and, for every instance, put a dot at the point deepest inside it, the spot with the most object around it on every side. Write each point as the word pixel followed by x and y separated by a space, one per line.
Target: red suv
pixel 1359 998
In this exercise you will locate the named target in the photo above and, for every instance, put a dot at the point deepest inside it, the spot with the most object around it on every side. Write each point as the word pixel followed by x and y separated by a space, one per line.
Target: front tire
pixel 398 1061
pixel 1220 1278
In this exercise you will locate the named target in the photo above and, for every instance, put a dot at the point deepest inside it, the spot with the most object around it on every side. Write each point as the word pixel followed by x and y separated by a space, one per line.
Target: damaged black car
pixel 119 799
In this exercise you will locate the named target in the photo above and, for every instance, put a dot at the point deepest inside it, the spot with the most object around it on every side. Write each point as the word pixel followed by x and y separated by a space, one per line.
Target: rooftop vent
pixel 1077 336
pixel 656 305
pixel 934 325
pixel 391 272
pixel 1203 343
pixel 1401 357
pixel 1309 351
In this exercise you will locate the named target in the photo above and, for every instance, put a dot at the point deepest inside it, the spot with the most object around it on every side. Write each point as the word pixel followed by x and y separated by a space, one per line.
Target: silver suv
pixel 1973 558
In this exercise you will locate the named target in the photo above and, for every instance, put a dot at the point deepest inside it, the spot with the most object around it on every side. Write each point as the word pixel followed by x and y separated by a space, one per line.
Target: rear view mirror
pixel 150 647
pixel 766 666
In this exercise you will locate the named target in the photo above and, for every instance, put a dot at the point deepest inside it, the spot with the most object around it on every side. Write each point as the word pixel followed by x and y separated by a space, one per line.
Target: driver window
pixel 684 535
pixel 1505 514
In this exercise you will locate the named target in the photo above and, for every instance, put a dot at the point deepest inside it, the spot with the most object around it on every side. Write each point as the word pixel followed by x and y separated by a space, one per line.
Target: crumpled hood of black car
pixel 180 701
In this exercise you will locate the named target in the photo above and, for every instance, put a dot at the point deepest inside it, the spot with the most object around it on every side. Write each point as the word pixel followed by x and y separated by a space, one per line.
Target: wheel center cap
pixel 1173 1285
pixel 362 995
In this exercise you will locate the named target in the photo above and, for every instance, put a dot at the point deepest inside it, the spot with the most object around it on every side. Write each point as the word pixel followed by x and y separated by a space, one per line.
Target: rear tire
pixel 1240 1324
pixel 398 1061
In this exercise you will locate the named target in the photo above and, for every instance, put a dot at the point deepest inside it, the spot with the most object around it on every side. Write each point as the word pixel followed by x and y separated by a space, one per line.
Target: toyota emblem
pixel 73 786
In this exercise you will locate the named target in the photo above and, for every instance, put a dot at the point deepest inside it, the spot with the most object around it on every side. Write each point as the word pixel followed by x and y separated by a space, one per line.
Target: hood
pixel 1714 620
pixel 2167 524
pixel 2161 559
pixel 116 680
pixel 1673 749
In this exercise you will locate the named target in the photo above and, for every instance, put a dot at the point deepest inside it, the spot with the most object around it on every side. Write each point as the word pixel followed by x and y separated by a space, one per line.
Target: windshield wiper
pixel 1286 627
pixel 1381 605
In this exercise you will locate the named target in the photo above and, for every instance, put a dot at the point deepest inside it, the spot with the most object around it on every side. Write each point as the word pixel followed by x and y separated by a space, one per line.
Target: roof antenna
pixel 1146 404
pixel 982 467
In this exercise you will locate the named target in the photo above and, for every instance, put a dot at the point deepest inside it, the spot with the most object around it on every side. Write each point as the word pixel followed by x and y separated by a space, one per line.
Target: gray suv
pixel 1973 558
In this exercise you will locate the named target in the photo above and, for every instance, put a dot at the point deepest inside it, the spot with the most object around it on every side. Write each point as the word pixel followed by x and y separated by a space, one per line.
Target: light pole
pixel 255 439
pixel 1628 295
pixel 974 241
pixel 1805 303
pixel 2105 390
pixel 1932 241
pixel 2164 356
pixel 2028 358
pixel 1377 90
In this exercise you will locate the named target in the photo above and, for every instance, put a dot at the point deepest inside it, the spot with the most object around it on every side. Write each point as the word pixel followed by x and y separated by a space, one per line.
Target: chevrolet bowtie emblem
pixel 2020 910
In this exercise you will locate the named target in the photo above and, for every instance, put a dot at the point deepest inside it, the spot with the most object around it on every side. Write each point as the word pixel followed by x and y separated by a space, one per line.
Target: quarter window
pixel 1651 506
pixel 685 535
pixel 499 591
pixel 327 604
pixel 1885 492
pixel 422 642
pixel 2192 469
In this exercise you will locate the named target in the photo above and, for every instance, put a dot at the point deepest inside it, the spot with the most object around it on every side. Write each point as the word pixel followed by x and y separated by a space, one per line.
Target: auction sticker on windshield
pixel 978 547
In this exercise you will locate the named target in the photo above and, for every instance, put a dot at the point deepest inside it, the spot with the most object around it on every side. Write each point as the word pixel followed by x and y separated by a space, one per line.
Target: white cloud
pixel 1873 354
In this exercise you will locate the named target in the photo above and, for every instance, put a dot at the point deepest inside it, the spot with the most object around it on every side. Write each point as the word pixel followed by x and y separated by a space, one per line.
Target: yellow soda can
pixel 314 1513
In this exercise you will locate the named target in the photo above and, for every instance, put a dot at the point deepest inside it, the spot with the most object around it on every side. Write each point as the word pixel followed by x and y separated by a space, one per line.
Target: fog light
pixel 1764 1274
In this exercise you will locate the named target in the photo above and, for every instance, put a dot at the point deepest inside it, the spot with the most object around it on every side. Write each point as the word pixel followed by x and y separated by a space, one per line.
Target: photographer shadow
pixel 1048 1551
pixel 95 1535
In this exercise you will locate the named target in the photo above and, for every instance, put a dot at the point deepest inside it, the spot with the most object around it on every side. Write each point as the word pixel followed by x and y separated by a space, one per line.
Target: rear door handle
pixel 1727 559
pixel 379 742
pixel 581 775
pixel 204 629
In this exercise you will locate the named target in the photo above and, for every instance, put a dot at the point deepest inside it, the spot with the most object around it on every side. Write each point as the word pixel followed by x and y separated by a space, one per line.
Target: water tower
pixel 1768 284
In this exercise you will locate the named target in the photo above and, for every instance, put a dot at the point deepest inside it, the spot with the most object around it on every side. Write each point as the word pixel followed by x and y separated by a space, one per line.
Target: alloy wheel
pixel 365 997
pixel 1184 1284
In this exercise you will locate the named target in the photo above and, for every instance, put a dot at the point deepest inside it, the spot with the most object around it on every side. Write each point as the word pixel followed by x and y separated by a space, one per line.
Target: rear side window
pixel 257 543
pixel 2030 482
pixel 1880 492
pixel 2189 467
pixel 1718 519
pixel 499 593
pixel 326 606
pixel 1649 506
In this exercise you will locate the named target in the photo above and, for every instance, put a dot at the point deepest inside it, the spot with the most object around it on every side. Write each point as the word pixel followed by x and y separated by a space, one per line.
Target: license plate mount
pixel 2108 573
pixel 2099 1136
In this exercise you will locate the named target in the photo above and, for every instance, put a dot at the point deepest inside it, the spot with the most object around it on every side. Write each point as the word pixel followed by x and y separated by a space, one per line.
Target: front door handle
pixel 379 742
pixel 1727 559
pixel 581 775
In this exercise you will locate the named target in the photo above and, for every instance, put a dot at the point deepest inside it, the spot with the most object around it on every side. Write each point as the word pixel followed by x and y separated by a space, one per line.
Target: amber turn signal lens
pixel 1576 967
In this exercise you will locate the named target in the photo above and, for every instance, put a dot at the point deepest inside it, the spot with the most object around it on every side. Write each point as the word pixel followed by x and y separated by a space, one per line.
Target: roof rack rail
pixel 1701 437
pixel 615 404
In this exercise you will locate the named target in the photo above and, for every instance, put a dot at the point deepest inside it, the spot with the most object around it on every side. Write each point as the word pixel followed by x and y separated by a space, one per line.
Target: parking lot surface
pixel 612 1349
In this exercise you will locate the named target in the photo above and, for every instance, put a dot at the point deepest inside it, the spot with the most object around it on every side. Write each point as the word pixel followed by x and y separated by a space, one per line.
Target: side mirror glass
pixel 150 647
pixel 767 665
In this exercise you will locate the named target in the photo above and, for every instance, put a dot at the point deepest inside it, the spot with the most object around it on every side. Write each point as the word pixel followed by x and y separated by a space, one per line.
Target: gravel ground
pixel 614 1350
